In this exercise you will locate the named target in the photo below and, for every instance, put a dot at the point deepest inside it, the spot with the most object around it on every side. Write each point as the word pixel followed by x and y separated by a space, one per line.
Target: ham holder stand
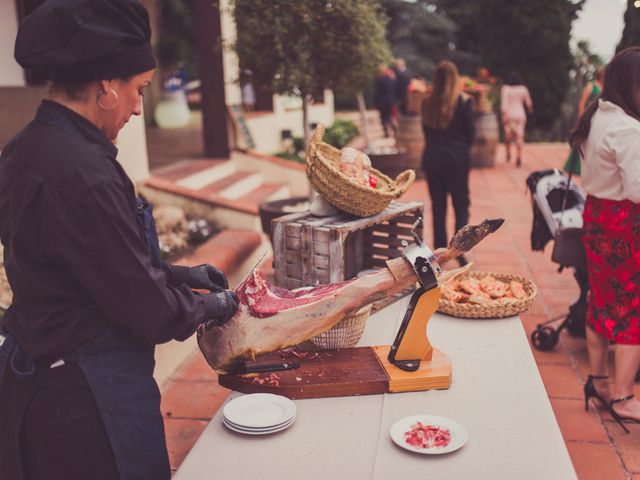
pixel 409 364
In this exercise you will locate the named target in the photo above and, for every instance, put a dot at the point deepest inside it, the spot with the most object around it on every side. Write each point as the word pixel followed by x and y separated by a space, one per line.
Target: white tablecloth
pixel 496 394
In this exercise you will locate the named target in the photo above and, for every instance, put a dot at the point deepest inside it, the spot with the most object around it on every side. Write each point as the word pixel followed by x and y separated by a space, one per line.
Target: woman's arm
pixel 528 104
pixel 468 124
pixel 626 145
pixel 503 105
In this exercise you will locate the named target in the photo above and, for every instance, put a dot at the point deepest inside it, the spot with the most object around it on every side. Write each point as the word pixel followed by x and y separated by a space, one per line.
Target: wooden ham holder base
pixel 343 372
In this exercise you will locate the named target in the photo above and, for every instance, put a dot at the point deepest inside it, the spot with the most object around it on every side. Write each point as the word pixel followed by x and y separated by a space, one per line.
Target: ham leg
pixel 271 318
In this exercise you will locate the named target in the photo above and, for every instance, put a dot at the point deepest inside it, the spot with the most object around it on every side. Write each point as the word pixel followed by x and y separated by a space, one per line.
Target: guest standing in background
pixel 248 92
pixel 608 138
pixel 403 79
pixel 589 94
pixel 384 98
pixel 447 122
pixel 515 102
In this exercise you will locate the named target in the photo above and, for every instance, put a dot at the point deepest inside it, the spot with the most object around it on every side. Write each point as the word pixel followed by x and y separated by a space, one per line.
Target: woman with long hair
pixel 608 138
pixel 447 122
pixel 515 102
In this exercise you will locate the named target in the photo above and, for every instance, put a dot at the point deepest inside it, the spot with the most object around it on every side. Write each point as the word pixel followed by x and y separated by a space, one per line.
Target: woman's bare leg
pixel 519 145
pixel 598 349
pixel 627 363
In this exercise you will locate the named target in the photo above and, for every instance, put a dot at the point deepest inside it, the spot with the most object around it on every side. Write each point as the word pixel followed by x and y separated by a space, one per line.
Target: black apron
pixel 119 370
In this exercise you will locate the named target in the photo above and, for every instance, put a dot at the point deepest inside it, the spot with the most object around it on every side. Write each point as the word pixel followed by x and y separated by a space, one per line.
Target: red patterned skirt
pixel 612 242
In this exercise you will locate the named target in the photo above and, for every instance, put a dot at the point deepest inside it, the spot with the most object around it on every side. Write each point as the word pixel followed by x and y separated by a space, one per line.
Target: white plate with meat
pixel 259 410
pixel 428 434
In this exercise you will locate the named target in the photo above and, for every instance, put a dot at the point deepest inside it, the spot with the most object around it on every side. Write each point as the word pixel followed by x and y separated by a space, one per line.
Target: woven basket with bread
pixel 487 295
pixel 344 191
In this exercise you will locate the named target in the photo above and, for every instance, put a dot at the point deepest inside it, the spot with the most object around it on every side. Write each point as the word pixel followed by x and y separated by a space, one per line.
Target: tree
pixel 420 34
pixel 176 47
pixel 631 32
pixel 302 47
pixel 529 37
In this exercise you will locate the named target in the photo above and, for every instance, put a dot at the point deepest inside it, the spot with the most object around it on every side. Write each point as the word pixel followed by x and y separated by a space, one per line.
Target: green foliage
pixel 340 133
pixel 302 47
pixel 176 47
pixel 290 155
pixel 631 32
pixel 531 37
pixel 422 35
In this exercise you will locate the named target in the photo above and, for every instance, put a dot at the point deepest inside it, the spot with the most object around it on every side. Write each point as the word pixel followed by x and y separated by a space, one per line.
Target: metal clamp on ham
pixel 427 269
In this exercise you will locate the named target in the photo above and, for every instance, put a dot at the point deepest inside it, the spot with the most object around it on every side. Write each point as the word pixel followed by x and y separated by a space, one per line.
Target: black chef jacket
pixel 76 258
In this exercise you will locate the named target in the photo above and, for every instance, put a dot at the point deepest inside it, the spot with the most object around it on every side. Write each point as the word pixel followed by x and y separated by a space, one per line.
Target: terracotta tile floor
pixel 598 447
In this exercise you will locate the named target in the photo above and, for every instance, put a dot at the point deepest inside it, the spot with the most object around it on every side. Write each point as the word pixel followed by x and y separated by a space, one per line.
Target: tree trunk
pixel 214 109
pixel 305 119
pixel 363 119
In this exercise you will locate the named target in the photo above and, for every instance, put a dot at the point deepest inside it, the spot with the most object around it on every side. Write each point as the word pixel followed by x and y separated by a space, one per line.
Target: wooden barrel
pixel 483 150
pixel 411 138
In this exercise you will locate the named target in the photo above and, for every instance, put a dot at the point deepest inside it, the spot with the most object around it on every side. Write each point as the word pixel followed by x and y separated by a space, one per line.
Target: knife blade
pixel 244 368
pixel 255 265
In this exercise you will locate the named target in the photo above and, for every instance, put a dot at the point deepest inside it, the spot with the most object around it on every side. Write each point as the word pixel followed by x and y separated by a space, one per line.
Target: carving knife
pixel 255 265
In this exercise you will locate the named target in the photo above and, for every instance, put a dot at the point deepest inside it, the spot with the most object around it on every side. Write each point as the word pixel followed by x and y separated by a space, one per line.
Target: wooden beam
pixel 214 108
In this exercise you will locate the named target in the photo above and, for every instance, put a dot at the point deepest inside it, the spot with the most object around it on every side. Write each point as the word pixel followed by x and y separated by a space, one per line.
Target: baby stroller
pixel 557 215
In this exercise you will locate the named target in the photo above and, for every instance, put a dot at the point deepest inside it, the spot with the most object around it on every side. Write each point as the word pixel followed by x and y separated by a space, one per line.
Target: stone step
pixel 207 176
pixel 223 191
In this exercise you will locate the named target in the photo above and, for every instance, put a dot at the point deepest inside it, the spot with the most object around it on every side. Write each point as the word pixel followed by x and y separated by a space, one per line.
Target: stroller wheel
pixel 544 338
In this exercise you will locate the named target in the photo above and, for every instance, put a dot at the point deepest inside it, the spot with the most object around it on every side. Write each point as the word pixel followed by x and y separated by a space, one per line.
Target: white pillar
pixel 229 56
pixel 132 149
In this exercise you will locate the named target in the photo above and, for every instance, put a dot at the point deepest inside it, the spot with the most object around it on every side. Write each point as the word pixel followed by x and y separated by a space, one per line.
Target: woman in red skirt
pixel 608 137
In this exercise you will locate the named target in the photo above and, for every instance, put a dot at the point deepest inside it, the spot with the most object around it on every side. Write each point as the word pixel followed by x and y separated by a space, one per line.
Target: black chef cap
pixel 80 41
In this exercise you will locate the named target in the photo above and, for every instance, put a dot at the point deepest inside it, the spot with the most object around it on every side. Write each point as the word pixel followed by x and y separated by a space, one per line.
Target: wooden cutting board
pixel 341 372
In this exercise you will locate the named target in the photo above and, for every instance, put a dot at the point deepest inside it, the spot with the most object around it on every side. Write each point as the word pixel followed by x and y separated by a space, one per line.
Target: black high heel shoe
pixel 619 418
pixel 590 391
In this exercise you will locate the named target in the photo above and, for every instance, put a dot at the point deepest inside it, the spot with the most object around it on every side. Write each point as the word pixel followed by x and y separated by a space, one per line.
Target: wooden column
pixel 214 108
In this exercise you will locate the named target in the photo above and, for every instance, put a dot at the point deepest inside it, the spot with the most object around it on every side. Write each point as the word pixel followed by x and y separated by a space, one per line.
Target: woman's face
pixel 129 102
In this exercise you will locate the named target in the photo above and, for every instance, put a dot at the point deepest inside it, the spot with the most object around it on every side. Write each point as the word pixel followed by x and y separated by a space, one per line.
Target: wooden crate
pixel 313 250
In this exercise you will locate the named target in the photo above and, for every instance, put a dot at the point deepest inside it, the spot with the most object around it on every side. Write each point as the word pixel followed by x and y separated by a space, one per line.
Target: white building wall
pixel 132 149
pixel 230 61
pixel 11 74
pixel 287 115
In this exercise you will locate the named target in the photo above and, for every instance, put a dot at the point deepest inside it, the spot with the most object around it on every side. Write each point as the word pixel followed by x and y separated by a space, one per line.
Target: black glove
pixel 219 307
pixel 206 277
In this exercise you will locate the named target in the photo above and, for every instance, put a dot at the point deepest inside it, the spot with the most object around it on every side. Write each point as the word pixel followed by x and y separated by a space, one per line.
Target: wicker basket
pixel 493 309
pixel 344 193
pixel 346 333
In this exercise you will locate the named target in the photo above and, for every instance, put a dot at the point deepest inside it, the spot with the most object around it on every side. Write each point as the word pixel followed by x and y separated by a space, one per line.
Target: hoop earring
pixel 115 94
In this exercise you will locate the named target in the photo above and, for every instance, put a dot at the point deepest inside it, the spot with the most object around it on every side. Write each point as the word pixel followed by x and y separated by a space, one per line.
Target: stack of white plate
pixel 259 413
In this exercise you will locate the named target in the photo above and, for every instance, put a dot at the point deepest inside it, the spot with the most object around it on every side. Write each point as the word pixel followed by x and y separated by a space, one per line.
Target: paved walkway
pixel 598 447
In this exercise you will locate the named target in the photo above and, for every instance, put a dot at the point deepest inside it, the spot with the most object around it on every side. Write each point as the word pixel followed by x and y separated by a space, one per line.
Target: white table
pixel 496 394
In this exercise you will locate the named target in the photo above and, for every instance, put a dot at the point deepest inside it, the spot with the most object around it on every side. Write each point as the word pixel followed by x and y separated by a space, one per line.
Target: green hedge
pixel 340 133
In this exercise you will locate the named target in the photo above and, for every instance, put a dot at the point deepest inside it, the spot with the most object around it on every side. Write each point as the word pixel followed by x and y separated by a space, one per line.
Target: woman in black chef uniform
pixel 91 300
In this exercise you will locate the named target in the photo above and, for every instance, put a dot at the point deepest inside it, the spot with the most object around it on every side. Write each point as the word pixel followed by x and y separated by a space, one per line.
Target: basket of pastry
pixel 346 179
pixel 487 295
